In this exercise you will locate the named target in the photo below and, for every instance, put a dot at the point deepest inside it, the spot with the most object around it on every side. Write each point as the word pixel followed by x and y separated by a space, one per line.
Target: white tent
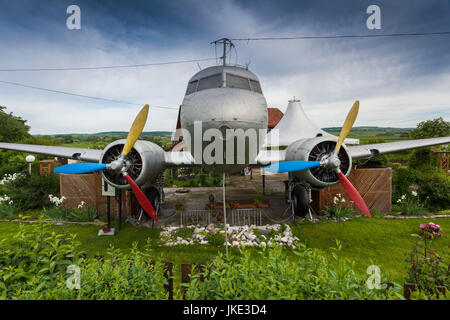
pixel 296 125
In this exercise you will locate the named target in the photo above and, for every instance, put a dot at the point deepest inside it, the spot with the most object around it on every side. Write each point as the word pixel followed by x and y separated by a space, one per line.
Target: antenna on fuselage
pixel 226 43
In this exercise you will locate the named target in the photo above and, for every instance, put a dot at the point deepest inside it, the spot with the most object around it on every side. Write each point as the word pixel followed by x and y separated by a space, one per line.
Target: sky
pixel 399 81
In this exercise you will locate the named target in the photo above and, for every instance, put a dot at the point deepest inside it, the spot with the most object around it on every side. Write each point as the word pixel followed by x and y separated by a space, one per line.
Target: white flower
pixel 55 200
pixel 414 193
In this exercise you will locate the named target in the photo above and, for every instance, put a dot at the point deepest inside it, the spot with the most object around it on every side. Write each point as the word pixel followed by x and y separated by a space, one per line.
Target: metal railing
pixel 194 217
pixel 240 217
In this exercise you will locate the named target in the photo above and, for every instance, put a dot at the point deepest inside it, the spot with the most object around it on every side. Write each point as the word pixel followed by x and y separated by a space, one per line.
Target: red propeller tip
pixel 141 198
pixel 354 194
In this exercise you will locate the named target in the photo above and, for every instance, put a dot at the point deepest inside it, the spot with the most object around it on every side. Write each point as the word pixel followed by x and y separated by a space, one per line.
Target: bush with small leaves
pixel 274 276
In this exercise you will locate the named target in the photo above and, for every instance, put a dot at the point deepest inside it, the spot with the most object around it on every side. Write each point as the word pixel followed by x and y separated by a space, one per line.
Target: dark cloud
pixel 382 71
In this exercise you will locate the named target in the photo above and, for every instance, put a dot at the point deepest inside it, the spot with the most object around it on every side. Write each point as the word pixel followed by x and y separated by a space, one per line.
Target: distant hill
pixel 371 129
pixel 145 133
pixel 110 133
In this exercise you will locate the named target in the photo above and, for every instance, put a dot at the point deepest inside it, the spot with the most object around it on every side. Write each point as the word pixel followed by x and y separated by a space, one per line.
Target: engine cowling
pixel 146 161
pixel 317 149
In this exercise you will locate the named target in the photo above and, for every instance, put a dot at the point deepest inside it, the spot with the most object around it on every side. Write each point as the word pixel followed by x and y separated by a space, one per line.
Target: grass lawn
pixel 386 242
pixel 366 241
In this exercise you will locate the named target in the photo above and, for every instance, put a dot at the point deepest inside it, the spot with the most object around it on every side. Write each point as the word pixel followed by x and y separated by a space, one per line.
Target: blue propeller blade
pixel 82 167
pixel 291 166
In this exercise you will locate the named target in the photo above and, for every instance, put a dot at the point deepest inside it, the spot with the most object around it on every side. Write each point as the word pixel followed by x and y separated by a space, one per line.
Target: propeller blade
pixel 348 124
pixel 136 130
pixel 290 166
pixel 82 167
pixel 141 198
pixel 354 194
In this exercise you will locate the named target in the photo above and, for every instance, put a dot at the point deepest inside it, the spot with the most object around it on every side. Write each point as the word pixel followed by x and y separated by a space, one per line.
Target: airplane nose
pixel 225 107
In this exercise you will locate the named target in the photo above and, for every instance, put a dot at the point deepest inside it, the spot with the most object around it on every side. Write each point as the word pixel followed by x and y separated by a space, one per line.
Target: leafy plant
pixel 433 186
pixel 409 204
pixel 375 213
pixel 31 192
pixel 185 232
pixel 273 276
pixel 426 267
pixel 119 276
pixel 60 213
pixel 339 209
pixel 216 239
pixel 7 211
pixel 33 265
pixel 33 260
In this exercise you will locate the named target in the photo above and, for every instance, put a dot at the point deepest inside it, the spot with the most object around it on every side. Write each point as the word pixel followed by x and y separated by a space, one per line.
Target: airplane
pixel 222 98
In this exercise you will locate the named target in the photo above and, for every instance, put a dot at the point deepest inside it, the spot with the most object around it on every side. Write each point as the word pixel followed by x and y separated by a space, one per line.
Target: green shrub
pixel 85 214
pixel 32 192
pixel 375 213
pixel 274 276
pixel 185 232
pixel 433 186
pixel 411 208
pixel 33 265
pixel 409 204
pixel 7 211
pixel 422 158
pixel 339 209
pixel 216 239
pixel 119 277
pixel 33 260
pixel 402 179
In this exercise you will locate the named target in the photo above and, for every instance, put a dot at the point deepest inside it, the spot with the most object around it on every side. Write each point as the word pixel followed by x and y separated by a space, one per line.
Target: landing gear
pixel 298 195
pixel 300 200
pixel 154 196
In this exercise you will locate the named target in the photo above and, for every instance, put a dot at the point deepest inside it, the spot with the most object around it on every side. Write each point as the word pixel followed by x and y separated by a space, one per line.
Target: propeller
pixel 332 162
pixel 119 164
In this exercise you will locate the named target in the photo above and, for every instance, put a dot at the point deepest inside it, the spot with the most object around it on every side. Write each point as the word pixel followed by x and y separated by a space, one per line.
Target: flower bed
pixel 238 236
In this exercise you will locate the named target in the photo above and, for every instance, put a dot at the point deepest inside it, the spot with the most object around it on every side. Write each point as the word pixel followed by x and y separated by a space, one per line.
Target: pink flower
pixel 422 226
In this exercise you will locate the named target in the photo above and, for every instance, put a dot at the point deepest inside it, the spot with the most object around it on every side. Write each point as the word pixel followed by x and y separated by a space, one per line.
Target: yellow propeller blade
pixel 136 130
pixel 348 124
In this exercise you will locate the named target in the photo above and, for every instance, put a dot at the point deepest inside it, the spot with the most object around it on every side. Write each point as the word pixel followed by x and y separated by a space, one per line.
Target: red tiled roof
pixel 275 116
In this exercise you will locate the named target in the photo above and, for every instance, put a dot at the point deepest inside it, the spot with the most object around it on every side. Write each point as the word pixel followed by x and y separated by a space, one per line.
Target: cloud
pixel 399 81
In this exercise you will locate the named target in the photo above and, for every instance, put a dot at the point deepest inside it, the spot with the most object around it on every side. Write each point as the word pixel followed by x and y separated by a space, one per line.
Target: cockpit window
pixel 192 87
pixel 234 81
pixel 256 87
pixel 214 81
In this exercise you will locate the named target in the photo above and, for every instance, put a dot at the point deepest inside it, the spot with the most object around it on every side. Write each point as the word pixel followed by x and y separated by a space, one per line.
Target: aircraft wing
pixel 179 159
pixel 172 159
pixel 89 155
pixel 371 150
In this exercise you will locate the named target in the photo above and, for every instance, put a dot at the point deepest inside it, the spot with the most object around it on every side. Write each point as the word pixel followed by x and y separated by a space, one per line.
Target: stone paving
pixel 242 189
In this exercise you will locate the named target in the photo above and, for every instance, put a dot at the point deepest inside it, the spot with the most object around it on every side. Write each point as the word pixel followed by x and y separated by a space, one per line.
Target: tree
pixel 12 128
pixel 431 129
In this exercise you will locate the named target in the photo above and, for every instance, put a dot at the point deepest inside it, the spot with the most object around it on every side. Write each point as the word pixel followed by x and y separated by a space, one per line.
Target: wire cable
pixel 344 36
pixel 104 67
pixel 80 95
